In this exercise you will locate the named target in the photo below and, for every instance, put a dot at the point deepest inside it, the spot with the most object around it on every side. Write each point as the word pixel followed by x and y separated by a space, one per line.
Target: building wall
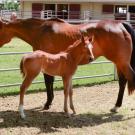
pixel 86 7
pixel 26 9
pixel 94 8
pixel 97 12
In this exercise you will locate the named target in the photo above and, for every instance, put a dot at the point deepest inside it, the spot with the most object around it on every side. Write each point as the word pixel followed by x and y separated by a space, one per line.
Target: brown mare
pixel 63 64
pixel 111 39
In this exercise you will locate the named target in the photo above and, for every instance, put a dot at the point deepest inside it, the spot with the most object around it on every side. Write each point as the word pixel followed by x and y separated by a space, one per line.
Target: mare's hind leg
pixel 122 84
pixel 129 74
pixel 49 87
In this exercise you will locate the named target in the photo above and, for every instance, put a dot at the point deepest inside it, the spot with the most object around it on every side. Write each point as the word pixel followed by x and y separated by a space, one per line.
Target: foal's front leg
pixel 67 85
pixel 71 97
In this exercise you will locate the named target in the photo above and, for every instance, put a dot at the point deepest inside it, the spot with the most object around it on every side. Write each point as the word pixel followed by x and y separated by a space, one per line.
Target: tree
pixel 11 5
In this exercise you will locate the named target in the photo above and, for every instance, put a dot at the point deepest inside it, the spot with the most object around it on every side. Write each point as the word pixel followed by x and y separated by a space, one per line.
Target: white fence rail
pixel 68 15
pixel 84 15
pixel 37 82
pixel 71 16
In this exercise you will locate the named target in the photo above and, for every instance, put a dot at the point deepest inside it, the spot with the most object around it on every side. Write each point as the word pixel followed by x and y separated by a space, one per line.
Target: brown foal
pixel 63 64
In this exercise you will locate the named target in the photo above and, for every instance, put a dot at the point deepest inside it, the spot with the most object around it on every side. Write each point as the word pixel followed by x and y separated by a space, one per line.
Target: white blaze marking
pixel 90 49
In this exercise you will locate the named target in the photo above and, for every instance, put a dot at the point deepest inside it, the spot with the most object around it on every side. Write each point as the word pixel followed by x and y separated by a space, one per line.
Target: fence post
pixel 115 73
pixel 128 16
pixel 1 13
pixel 42 14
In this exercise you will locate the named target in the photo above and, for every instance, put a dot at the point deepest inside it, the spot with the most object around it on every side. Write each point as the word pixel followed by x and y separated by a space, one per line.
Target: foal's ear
pixel 83 35
pixel 83 31
pixel 85 41
pixel 82 39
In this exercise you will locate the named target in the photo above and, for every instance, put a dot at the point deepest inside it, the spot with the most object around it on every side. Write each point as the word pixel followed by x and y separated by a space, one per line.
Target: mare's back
pixel 57 26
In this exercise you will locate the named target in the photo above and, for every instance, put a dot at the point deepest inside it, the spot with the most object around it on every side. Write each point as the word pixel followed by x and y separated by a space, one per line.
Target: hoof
pixel 114 109
pixel 23 116
pixel 73 114
pixel 67 115
pixel 46 107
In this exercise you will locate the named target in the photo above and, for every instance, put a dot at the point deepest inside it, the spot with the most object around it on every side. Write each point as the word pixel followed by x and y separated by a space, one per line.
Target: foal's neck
pixel 75 52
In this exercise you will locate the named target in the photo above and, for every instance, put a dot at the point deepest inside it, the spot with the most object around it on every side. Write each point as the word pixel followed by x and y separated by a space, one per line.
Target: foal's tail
pixel 21 68
pixel 131 31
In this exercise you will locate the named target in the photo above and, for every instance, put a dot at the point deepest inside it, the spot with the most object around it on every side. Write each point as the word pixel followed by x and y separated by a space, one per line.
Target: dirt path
pixel 93 116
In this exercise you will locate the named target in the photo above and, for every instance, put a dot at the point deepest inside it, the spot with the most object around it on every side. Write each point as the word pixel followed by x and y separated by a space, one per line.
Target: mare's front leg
pixel 122 84
pixel 49 88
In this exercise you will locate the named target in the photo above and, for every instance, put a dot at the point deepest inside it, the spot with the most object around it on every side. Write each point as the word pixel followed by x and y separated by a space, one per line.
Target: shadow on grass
pixel 56 88
pixel 52 121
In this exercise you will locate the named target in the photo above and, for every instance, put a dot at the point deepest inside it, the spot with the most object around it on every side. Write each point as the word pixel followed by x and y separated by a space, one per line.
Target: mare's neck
pixel 22 31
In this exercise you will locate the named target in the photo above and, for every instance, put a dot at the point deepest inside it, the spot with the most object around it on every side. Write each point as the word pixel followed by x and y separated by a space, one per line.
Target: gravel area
pixel 93 116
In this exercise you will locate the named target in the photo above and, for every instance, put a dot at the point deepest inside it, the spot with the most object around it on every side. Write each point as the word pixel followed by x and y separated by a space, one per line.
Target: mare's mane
pixel 55 19
pixel 38 20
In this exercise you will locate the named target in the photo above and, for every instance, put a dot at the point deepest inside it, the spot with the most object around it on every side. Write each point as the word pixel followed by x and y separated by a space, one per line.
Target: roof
pixel 101 1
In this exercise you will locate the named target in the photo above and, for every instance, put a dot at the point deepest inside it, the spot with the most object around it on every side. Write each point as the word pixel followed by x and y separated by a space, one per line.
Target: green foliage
pixel 11 5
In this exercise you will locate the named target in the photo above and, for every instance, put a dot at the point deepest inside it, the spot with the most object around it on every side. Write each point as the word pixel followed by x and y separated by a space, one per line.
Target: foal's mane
pixel 73 46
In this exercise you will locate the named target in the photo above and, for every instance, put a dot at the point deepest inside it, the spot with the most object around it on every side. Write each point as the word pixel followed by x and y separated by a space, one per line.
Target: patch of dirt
pixel 93 116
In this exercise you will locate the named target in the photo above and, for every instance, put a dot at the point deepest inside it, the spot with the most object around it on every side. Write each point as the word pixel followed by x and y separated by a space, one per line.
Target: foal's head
pixel 87 54
pixel 82 50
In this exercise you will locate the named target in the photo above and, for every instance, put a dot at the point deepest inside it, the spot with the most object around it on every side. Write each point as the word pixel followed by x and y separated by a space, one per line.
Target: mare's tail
pixel 129 28
pixel 21 68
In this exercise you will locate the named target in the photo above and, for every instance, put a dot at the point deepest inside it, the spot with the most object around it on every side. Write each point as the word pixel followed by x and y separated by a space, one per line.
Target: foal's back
pixel 52 64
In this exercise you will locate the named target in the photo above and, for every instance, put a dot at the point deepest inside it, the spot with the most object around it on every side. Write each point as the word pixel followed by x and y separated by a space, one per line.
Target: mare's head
pixel 5 36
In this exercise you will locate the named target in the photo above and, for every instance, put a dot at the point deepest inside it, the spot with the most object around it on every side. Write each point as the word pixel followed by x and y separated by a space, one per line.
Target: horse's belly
pixel 52 70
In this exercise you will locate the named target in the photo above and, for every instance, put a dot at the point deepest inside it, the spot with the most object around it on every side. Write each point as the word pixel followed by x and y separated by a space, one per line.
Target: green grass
pixel 13 61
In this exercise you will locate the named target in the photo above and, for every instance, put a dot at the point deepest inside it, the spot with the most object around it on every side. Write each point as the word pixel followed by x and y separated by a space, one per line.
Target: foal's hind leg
pixel 49 88
pixel 26 83
pixel 122 84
